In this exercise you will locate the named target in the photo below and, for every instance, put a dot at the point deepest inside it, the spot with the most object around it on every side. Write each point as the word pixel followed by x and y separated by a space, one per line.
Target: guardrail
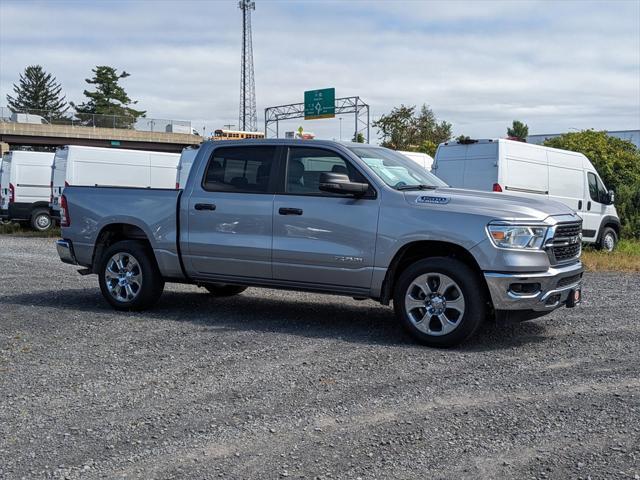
pixel 73 119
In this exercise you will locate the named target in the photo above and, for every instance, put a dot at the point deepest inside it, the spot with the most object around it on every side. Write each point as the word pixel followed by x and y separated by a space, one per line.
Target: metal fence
pixel 76 119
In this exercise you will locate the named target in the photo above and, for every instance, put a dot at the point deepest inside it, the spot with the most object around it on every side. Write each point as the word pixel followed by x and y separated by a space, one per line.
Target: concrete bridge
pixel 37 135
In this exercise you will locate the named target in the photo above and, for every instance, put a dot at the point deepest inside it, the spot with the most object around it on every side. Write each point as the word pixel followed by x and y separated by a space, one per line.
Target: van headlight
pixel 518 237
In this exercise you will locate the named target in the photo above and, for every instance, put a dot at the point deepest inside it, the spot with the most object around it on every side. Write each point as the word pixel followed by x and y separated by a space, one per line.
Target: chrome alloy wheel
pixel 434 304
pixel 123 277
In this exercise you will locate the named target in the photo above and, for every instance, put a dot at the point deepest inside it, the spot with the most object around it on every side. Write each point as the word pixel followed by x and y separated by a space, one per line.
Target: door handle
pixel 589 205
pixel 205 206
pixel 579 204
pixel 290 211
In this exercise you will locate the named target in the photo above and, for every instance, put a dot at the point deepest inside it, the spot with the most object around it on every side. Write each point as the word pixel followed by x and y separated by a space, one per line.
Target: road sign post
pixel 320 104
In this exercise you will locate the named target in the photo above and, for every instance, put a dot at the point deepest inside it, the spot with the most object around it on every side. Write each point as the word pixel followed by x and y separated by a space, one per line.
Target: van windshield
pixel 396 170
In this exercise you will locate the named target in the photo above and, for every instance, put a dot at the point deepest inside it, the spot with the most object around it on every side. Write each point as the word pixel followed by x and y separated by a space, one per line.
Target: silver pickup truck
pixel 338 218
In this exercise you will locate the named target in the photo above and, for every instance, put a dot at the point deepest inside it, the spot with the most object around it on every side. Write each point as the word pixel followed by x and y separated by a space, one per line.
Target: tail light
pixel 12 193
pixel 177 186
pixel 497 187
pixel 66 184
pixel 65 219
pixel 51 195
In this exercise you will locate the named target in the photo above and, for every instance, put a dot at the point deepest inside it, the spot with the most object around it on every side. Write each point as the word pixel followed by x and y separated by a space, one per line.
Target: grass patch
pixel 625 258
pixel 17 229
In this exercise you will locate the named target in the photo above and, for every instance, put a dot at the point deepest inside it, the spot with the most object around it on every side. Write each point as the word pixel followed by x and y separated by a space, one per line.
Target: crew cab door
pixel 230 213
pixel 322 239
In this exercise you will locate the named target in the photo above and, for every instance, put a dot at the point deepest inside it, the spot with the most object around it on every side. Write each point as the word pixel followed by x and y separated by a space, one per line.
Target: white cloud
pixel 478 64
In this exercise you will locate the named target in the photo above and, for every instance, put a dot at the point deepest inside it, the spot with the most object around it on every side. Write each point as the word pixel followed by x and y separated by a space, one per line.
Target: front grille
pixel 567 242
pixel 563 282
pixel 568 230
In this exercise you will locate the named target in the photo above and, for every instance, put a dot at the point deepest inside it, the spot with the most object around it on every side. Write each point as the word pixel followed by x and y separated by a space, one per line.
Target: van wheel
pixel 609 240
pixel 439 301
pixel 41 220
pixel 224 290
pixel 129 276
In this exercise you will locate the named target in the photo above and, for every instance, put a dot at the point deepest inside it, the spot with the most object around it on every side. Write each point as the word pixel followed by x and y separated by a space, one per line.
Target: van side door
pixel 229 214
pixel 321 239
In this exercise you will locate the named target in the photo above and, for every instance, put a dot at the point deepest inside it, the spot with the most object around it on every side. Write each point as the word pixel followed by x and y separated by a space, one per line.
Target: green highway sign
pixel 320 103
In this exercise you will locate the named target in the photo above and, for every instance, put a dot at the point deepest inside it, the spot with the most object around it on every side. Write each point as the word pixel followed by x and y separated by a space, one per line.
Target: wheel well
pixel 415 251
pixel 115 233
pixel 608 222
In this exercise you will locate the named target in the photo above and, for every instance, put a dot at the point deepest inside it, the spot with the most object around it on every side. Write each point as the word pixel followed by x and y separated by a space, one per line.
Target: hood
pixel 497 205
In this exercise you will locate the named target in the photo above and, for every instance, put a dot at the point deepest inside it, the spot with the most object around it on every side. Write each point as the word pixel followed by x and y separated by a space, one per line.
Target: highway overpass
pixel 47 135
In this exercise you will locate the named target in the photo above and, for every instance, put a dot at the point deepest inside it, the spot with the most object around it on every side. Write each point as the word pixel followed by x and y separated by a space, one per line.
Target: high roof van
pixel 422 159
pixel 184 166
pixel 24 184
pixel 109 167
pixel 534 171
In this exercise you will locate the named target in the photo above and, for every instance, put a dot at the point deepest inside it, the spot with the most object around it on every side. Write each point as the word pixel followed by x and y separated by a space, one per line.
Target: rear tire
pixel 224 290
pixel 439 301
pixel 41 220
pixel 129 277
pixel 608 240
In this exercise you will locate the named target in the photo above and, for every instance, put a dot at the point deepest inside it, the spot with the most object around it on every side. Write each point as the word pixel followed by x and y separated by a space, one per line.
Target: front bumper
pixel 65 252
pixel 540 292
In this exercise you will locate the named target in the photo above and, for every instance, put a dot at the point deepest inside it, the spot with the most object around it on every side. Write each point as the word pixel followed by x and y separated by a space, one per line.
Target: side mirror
pixel 340 183
pixel 611 197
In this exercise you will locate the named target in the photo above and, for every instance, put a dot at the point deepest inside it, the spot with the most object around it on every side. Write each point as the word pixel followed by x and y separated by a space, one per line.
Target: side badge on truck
pixel 430 199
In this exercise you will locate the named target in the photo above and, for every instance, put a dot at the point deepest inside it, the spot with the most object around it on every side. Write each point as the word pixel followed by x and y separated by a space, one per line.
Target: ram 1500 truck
pixel 337 218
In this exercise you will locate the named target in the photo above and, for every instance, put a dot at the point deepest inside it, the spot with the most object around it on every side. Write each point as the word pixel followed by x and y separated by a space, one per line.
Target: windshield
pixel 395 169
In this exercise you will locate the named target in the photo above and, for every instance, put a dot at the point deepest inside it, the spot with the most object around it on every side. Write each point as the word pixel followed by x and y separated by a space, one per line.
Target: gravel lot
pixel 275 384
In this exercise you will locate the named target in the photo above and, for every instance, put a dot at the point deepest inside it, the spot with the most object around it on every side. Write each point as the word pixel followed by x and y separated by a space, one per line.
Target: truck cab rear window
pixel 235 169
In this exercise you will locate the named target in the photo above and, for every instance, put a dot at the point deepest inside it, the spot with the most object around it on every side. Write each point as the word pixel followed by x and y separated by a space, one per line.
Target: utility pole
pixel 248 119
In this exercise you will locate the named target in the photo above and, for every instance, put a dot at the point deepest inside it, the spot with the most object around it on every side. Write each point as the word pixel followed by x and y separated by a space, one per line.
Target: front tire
pixel 129 277
pixel 224 290
pixel 41 220
pixel 439 301
pixel 609 240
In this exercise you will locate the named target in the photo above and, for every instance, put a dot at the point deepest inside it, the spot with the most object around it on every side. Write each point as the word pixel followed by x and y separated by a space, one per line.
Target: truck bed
pixel 154 211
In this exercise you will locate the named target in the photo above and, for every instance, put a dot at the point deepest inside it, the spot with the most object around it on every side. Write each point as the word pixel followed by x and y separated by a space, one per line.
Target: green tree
pixel 38 91
pixel 109 99
pixel 403 129
pixel 518 131
pixel 618 163
pixel 358 138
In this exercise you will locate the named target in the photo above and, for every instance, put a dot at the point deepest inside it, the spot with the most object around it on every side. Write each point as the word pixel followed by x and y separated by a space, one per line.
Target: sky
pixel 557 66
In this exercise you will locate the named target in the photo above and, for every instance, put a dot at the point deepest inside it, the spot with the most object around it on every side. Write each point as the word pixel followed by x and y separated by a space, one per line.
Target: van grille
pixel 567 242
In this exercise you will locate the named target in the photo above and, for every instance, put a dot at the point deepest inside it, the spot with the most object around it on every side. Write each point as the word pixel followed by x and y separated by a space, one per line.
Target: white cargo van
pixel 184 166
pixel 4 186
pixel 422 159
pixel 25 188
pixel 528 170
pixel 108 167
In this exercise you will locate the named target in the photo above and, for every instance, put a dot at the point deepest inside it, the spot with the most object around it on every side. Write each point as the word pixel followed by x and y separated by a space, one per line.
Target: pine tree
pixel 518 131
pixel 109 105
pixel 38 92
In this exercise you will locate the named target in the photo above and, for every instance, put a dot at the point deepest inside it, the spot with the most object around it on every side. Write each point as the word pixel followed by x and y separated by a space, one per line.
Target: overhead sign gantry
pixel 319 104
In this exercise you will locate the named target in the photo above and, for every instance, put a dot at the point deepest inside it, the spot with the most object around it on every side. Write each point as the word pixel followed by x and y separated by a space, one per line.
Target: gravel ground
pixel 274 384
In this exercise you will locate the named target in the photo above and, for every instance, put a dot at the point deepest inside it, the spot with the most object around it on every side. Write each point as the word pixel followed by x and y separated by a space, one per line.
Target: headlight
pixel 517 237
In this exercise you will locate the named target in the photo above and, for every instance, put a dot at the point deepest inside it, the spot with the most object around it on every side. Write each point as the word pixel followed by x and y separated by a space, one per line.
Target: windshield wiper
pixel 416 187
